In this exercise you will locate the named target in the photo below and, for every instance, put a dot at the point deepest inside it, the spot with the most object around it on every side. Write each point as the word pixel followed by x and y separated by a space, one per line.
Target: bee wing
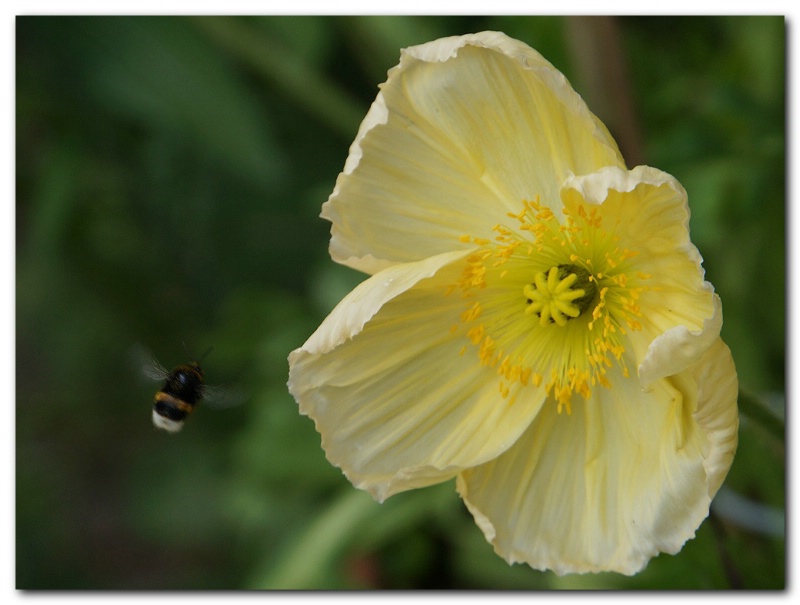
pixel 221 397
pixel 153 370
pixel 144 366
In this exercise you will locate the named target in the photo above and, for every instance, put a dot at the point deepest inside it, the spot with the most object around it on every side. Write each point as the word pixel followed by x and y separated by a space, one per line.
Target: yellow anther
pixel 572 272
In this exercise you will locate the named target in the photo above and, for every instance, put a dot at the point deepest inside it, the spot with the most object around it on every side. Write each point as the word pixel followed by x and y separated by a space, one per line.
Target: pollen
pixel 550 301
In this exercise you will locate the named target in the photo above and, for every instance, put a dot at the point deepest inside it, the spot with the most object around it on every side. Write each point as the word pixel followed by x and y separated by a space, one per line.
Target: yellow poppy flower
pixel 536 322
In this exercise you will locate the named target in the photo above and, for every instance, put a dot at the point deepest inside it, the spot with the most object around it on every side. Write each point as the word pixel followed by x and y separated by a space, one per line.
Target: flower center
pixel 578 283
pixel 560 295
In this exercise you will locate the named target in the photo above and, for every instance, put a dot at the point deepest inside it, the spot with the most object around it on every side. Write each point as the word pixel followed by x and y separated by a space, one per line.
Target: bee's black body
pixel 182 390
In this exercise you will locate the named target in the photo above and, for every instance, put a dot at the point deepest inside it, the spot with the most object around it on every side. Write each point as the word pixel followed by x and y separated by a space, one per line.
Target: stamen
pixel 575 278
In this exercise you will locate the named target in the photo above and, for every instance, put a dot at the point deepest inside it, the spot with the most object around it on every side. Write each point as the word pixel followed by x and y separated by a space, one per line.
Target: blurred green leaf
pixel 301 568
pixel 296 78
pixel 157 69
pixel 758 412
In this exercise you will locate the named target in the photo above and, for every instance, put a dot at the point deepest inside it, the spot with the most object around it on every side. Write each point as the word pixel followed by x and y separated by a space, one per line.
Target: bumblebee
pixel 182 390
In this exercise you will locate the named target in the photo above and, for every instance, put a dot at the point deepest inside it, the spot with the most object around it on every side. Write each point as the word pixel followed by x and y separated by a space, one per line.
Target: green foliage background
pixel 170 173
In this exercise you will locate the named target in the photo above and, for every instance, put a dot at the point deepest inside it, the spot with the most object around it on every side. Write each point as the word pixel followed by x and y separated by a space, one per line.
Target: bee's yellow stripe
pixel 161 396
